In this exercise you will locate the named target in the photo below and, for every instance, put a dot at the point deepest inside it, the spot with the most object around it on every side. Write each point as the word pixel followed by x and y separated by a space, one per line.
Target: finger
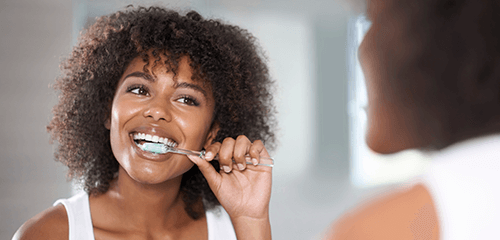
pixel 212 150
pixel 213 177
pixel 241 148
pixel 226 154
pixel 256 151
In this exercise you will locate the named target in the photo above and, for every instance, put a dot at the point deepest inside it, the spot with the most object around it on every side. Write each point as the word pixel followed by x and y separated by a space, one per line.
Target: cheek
pixel 370 66
pixel 377 110
pixel 121 113
pixel 114 132
pixel 116 116
pixel 367 55
pixel 195 128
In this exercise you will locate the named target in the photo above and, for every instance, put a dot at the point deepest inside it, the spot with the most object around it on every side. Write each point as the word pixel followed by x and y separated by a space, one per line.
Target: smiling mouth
pixel 152 143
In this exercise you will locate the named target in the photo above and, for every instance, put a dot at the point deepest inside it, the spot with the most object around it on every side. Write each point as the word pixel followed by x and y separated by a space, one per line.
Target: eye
pixel 188 100
pixel 138 89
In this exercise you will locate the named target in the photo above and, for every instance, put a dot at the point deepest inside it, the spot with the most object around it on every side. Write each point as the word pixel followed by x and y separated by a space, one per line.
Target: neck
pixel 146 206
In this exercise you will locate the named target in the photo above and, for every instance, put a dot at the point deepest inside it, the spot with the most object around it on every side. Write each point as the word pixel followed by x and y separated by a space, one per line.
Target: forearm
pixel 247 228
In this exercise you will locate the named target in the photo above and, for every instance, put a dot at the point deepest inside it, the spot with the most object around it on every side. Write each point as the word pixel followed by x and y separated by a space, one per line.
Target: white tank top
pixel 464 182
pixel 80 222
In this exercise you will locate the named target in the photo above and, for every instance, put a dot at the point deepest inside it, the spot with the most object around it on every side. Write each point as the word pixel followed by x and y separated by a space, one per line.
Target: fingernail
pixel 241 166
pixel 254 161
pixel 209 155
pixel 227 169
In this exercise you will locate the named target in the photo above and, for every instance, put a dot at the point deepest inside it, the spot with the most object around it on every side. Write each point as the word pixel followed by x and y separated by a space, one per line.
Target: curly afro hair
pixel 222 55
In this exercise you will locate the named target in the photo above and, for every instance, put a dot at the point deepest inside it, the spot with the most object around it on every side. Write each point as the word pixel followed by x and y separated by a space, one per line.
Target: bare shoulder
pixel 49 224
pixel 408 214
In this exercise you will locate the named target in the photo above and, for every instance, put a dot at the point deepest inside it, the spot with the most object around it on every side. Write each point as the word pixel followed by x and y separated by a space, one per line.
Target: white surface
pixel 464 180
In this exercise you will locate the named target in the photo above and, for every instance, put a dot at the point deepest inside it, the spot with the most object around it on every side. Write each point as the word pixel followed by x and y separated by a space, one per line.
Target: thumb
pixel 208 171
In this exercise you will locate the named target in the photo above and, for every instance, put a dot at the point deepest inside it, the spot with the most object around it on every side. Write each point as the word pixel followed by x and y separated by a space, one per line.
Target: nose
pixel 158 110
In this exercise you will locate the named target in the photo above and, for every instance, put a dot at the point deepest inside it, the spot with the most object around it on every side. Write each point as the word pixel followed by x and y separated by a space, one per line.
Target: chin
pixel 390 131
pixel 152 174
pixel 385 142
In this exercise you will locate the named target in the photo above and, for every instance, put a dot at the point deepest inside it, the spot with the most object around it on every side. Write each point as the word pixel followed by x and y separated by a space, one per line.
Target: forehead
pixel 374 8
pixel 162 66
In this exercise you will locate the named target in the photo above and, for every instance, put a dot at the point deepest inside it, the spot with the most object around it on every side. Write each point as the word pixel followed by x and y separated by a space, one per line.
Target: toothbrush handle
pixel 264 161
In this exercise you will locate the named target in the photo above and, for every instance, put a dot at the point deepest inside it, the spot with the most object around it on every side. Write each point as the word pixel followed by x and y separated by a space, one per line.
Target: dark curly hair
pixel 225 56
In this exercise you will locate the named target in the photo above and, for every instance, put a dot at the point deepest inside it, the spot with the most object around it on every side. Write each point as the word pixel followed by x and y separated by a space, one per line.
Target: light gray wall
pixel 332 119
pixel 34 35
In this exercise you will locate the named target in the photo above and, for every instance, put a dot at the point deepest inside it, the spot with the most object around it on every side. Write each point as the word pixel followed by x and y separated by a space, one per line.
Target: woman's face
pixel 175 111
pixel 386 49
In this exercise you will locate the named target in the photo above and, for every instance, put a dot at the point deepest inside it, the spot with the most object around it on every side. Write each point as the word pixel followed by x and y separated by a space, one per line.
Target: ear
pixel 212 134
pixel 107 123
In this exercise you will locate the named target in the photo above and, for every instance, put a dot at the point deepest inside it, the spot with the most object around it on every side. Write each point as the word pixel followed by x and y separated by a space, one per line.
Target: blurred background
pixel 322 165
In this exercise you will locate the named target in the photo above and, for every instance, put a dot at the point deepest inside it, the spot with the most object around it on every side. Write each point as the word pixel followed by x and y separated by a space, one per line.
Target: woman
pixel 152 75
pixel 433 80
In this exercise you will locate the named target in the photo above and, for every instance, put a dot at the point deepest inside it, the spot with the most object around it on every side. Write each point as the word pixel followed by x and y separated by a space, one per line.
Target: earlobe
pixel 107 124
pixel 212 134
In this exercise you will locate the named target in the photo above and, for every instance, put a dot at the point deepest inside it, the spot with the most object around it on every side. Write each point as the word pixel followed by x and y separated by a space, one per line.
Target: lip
pixel 152 131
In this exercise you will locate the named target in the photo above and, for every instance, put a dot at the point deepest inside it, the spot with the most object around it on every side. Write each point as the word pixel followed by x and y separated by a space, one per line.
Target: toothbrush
pixel 163 149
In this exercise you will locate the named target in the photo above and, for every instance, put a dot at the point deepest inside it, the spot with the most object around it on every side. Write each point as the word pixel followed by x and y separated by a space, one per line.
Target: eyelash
pixel 140 87
pixel 193 101
pixel 187 99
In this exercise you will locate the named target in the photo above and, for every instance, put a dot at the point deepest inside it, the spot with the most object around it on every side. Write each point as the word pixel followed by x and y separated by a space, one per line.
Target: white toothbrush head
pixel 157 148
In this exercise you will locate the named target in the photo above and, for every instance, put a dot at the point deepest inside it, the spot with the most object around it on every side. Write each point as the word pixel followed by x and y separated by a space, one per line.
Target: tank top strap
pixel 79 219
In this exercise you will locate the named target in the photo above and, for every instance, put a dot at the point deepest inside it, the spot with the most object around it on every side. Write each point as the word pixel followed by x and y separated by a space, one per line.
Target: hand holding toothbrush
pixel 243 190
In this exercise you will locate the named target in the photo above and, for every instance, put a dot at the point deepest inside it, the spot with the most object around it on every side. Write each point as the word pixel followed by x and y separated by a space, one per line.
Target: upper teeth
pixel 154 138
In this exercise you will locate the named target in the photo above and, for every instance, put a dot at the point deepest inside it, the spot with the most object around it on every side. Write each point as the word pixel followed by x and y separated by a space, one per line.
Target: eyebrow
pixel 150 78
pixel 191 86
pixel 143 75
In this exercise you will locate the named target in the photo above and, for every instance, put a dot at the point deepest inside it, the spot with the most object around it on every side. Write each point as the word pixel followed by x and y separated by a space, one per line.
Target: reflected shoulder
pixel 49 224
pixel 408 214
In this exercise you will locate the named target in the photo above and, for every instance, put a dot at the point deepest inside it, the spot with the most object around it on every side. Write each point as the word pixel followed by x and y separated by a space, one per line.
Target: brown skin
pixel 403 215
pixel 148 185
pixel 144 201
pixel 244 194
pixel 394 125
pixel 49 224
pixel 161 106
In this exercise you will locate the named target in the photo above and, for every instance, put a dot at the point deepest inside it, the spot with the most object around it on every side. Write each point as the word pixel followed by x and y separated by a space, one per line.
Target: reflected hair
pixel 454 77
